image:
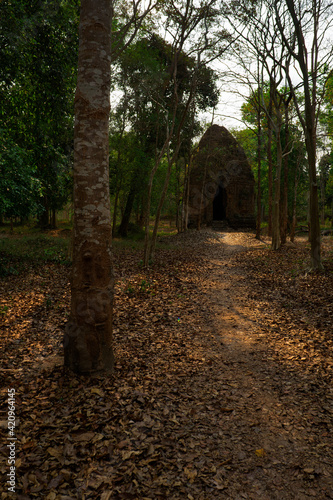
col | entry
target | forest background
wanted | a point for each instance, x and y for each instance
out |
(169, 62)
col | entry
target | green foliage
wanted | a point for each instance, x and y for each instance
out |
(326, 116)
(248, 138)
(326, 171)
(146, 78)
(19, 252)
(20, 189)
(38, 56)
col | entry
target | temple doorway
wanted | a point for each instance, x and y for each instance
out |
(220, 204)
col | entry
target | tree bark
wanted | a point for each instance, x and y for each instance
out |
(276, 237)
(53, 218)
(294, 219)
(258, 224)
(171, 161)
(88, 336)
(309, 66)
(322, 195)
(43, 220)
(114, 217)
(123, 228)
(270, 165)
(284, 203)
(314, 239)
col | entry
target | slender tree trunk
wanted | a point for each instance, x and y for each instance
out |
(270, 166)
(309, 67)
(276, 238)
(284, 208)
(53, 218)
(123, 228)
(169, 135)
(187, 192)
(314, 239)
(178, 201)
(258, 226)
(294, 219)
(114, 218)
(158, 214)
(202, 196)
(171, 161)
(322, 193)
(142, 213)
(88, 336)
(43, 220)
(146, 250)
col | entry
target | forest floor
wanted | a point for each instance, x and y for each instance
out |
(222, 386)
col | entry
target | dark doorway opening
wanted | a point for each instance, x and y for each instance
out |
(220, 204)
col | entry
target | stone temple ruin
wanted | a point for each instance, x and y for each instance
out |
(221, 186)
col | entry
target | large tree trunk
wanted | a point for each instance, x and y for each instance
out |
(88, 336)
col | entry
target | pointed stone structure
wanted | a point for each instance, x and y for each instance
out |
(221, 186)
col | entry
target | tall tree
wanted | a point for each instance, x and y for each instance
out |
(88, 336)
(38, 55)
(304, 28)
(194, 30)
(301, 33)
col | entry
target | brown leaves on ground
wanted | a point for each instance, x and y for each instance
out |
(222, 387)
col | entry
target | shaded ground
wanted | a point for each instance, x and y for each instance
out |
(223, 382)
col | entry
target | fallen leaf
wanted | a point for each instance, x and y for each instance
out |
(261, 453)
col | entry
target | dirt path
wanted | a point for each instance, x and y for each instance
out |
(222, 385)
(280, 433)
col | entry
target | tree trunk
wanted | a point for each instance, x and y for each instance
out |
(141, 221)
(323, 198)
(114, 218)
(270, 166)
(53, 218)
(146, 250)
(258, 225)
(88, 335)
(314, 239)
(123, 228)
(187, 193)
(284, 204)
(161, 202)
(276, 238)
(202, 196)
(294, 220)
(43, 220)
(308, 119)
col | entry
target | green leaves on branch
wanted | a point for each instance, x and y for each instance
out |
(20, 189)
